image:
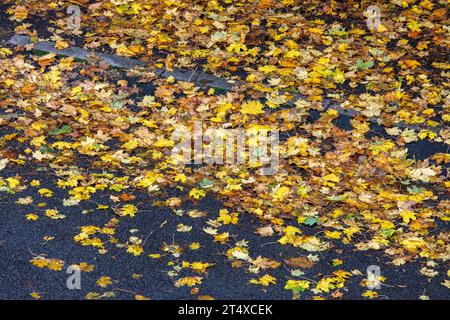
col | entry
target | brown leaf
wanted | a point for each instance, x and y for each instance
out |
(265, 231)
(439, 14)
(300, 262)
(265, 3)
(127, 197)
(169, 61)
(337, 294)
(265, 263)
(46, 59)
(28, 89)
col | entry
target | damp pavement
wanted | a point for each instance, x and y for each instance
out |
(21, 240)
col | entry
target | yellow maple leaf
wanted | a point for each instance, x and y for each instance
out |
(265, 280)
(236, 47)
(104, 281)
(199, 267)
(135, 249)
(12, 183)
(427, 133)
(252, 107)
(123, 50)
(20, 12)
(332, 234)
(280, 193)
(194, 246)
(413, 243)
(5, 52)
(131, 145)
(297, 285)
(32, 216)
(149, 179)
(339, 76)
(52, 264)
(332, 177)
(180, 177)
(407, 216)
(409, 64)
(325, 284)
(370, 294)
(267, 69)
(85, 267)
(161, 143)
(222, 237)
(197, 193)
(54, 214)
(128, 210)
(414, 26)
(45, 192)
(35, 295)
(188, 281)
(35, 183)
(60, 45)
(227, 218)
(38, 125)
(446, 283)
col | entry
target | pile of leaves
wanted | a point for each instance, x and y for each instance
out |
(98, 133)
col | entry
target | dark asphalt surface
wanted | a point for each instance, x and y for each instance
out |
(21, 240)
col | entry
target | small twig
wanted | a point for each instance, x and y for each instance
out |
(195, 70)
(145, 240)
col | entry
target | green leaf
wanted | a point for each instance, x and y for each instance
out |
(310, 221)
(386, 233)
(64, 129)
(362, 65)
(46, 149)
(340, 197)
(415, 189)
(206, 183)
